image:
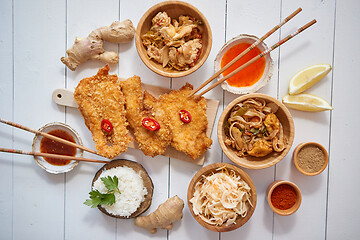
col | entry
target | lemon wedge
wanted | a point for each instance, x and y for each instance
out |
(307, 77)
(306, 102)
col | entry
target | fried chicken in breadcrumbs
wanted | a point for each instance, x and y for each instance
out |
(140, 106)
(100, 98)
(189, 138)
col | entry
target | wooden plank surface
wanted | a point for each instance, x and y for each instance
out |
(299, 53)
(342, 212)
(6, 110)
(35, 34)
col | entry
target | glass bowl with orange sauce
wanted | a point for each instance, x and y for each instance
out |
(46, 145)
(251, 78)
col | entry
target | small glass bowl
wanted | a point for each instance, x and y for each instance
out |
(42, 162)
(268, 71)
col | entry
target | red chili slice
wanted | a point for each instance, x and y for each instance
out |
(106, 125)
(185, 116)
(150, 124)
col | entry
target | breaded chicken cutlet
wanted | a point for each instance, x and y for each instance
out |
(101, 103)
(190, 137)
(141, 106)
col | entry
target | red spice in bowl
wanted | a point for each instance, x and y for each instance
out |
(284, 197)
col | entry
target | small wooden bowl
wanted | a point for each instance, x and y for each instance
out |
(291, 210)
(145, 177)
(296, 155)
(211, 169)
(251, 162)
(174, 9)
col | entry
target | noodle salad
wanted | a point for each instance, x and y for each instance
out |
(253, 129)
(221, 198)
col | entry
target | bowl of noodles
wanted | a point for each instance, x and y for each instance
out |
(256, 131)
(221, 197)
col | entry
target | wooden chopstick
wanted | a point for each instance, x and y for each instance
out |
(49, 155)
(247, 50)
(259, 56)
(48, 136)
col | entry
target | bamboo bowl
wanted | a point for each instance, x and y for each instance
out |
(174, 9)
(291, 210)
(209, 170)
(296, 155)
(248, 161)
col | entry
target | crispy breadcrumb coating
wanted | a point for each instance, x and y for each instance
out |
(189, 138)
(99, 97)
(139, 106)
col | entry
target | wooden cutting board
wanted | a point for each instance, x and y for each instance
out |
(65, 97)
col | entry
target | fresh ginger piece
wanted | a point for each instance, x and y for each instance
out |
(91, 47)
(164, 216)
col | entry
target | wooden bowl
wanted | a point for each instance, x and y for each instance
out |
(209, 170)
(145, 177)
(291, 210)
(248, 161)
(296, 156)
(174, 9)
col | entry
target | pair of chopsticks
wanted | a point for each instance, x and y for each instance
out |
(268, 50)
(49, 155)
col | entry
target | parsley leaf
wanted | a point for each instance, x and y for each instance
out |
(108, 198)
(111, 183)
(97, 198)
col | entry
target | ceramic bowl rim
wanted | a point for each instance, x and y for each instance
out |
(40, 161)
(268, 71)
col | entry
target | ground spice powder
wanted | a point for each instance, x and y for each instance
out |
(311, 159)
(283, 197)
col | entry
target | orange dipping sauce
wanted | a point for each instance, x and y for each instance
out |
(249, 75)
(50, 146)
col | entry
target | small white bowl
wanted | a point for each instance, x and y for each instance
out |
(42, 162)
(268, 71)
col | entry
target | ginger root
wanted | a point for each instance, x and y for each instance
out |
(164, 216)
(92, 47)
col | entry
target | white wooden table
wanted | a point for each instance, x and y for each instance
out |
(37, 205)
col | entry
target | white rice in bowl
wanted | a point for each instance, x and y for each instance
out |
(131, 187)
